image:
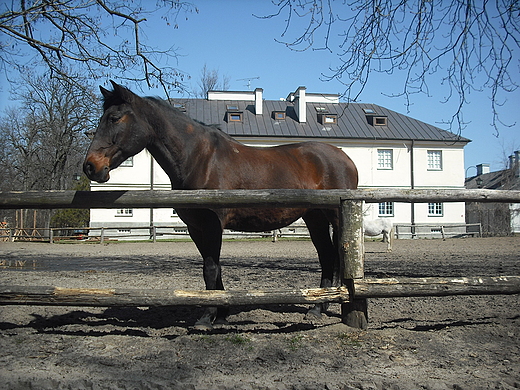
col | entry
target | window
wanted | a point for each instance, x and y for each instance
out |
(434, 160)
(386, 209)
(234, 116)
(369, 111)
(129, 162)
(328, 119)
(385, 159)
(124, 212)
(380, 121)
(279, 115)
(232, 107)
(435, 210)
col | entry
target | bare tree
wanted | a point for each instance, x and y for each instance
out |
(473, 45)
(210, 79)
(100, 35)
(43, 139)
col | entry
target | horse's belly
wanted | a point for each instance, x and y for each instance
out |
(259, 220)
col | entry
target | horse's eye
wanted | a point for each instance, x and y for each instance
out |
(114, 118)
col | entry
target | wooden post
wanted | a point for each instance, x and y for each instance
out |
(352, 255)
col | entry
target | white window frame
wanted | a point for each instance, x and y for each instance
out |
(385, 159)
(124, 212)
(385, 209)
(434, 160)
(435, 209)
(129, 162)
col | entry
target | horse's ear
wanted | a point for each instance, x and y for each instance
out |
(123, 93)
(105, 92)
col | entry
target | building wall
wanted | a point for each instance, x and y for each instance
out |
(364, 153)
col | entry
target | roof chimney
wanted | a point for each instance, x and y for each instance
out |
(258, 101)
(482, 169)
(300, 106)
(517, 163)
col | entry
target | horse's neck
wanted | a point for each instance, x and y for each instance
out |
(178, 148)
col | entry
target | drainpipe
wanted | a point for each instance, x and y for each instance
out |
(151, 188)
(412, 186)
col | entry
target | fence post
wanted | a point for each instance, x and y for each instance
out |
(102, 236)
(352, 255)
(51, 236)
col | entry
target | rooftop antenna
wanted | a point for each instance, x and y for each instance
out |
(248, 79)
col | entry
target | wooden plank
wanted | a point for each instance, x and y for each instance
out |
(364, 288)
(437, 286)
(239, 198)
(58, 296)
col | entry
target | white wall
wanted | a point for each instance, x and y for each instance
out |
(364, 155)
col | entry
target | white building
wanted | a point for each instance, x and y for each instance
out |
(390, 150)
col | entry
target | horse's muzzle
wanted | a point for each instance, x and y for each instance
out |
(94, 173)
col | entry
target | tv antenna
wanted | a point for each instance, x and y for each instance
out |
(248, 79)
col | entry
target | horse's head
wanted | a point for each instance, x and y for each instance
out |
(121, 133)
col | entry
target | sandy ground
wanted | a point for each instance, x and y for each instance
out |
(461, 343)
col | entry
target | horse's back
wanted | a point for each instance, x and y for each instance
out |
(305, 165)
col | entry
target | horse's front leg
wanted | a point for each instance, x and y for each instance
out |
(318, 225)
(208, 239)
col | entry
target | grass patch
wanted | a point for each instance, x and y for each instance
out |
(239, 340)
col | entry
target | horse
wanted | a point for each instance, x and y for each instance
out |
(197, 156)
(380, 226)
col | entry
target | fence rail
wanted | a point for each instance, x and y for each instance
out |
(351, 248)
(239, 198)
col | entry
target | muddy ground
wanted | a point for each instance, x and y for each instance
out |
(462, 343)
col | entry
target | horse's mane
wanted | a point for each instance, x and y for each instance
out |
(115, 99)
(167, 105)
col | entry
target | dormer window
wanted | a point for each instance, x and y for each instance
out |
(279, 115)
(234, 116)
(380, 120)
(375, 119)
(328, 119)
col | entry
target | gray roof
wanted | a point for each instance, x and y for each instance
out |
(352, 121)
(506, 179)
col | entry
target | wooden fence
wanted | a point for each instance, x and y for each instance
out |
(355, 288)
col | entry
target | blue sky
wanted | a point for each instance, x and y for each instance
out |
(226, 36)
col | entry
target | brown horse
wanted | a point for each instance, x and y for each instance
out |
(196, 156)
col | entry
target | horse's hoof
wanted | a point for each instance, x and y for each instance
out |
(221, 321)
(203, 326)
(313, 315)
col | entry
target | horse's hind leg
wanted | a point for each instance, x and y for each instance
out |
(208, 239)
(318, 225)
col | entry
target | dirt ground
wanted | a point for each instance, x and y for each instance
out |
(462, 343)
